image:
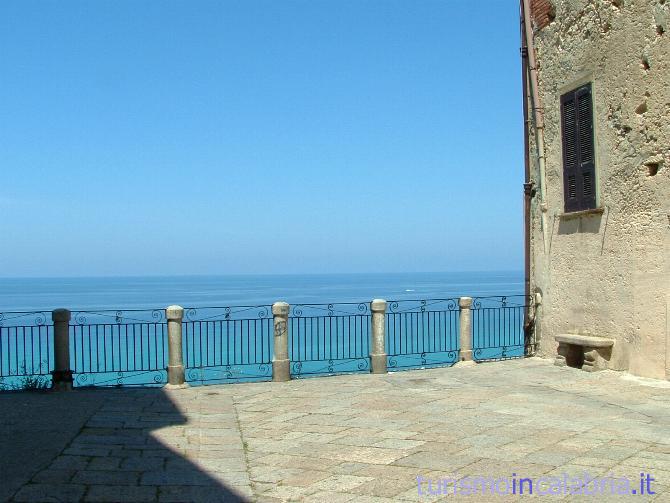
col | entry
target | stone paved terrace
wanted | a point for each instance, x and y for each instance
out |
(347, 438)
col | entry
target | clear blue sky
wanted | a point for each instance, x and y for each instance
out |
(195, 137)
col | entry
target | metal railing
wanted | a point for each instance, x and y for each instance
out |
(497, 327)
(232, 343)
(329, 338)
(26, 349)
(422, 333)
(113, 348)
(237, 343)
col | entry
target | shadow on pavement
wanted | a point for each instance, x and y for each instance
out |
(120, 445)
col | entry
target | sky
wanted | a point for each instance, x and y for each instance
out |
(151, 137)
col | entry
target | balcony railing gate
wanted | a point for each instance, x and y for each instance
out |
(26, 349)
(498, 327)
(422, 333)
(329, 338)
(118, 348)
(227, 344)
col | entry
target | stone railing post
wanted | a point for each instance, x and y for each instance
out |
(61, 377)
(465, 304)
(175, 370)
(378, 342)
(281, 366)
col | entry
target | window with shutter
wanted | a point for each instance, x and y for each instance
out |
(578, 150)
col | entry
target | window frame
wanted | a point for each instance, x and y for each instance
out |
(578, 159)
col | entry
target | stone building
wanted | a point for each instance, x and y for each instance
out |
(598, 181)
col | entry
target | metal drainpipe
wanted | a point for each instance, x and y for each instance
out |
(529, 319)
(539, 119)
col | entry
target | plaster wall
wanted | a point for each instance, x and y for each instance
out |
(608, 274)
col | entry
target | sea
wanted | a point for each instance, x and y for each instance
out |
(156, 292)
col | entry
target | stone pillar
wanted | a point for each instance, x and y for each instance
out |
(562, 354)
(593, 360)
(61, 377)
(465, 304)
(281, 366)
(175, 370)
(378, 343)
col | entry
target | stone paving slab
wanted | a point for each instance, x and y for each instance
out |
(35, 428)
(360, 438)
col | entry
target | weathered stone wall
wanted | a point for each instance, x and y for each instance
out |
(608, 274)
(542, 12)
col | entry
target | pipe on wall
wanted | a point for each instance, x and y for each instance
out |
(537, 114)
(529, 319)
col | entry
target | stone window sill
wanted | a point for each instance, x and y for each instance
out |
(582, 213)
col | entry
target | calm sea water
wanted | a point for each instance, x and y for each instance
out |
(24, 294)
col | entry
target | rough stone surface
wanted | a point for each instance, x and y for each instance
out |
(358, 437)
(608, 274)
(378, 356)
(281, 366)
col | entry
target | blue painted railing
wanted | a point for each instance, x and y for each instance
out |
(227, 344)
(422, 333)
(118, 348)
(26, 349)
(498, 327)
(329, 338)
(235, 343)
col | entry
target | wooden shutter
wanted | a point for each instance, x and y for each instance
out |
(579, 180)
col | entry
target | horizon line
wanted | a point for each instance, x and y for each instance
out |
(202, 275)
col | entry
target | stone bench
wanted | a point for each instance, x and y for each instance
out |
(583, 351)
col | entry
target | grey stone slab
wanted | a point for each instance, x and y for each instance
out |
(46, 493)
(143, 464)
(549, 457)
(87, 450)
(31, 438)
(382, 487)
(70, 462)
(195, 494)
(329, 496)
(434, 461)
(338, 483)
(53, 476)
(109, 477)
(397, 443)
(177, 477)
(121, 494)
(104, 463)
